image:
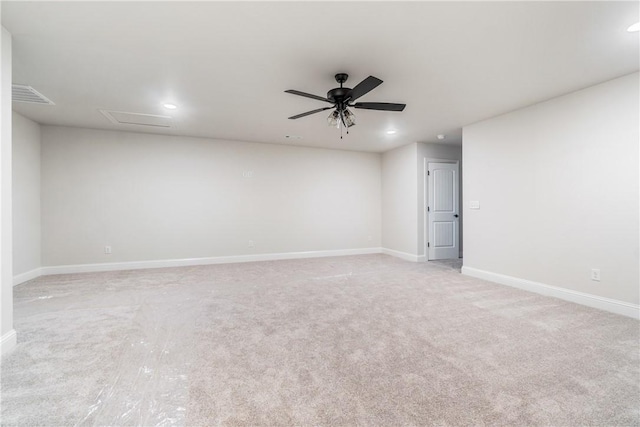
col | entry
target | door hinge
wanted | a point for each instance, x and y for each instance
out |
(428, 210)
(428, 244)
(428, 173)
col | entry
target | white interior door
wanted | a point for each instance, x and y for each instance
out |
(443, 211)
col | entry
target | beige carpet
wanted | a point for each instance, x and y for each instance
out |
(363, 340)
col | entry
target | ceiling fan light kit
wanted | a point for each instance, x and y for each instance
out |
(346, 118)
(343, 98)
(333, 120)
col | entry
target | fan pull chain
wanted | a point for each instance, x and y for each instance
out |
(343, 123)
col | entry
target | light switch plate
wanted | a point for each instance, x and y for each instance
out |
(474, 204)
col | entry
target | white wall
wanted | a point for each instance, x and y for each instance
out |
(154, 197)
(26, 195)
(399, 200)
(558, 189)
(440, 152)
(7, 334)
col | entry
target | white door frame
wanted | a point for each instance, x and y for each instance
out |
(425, 169)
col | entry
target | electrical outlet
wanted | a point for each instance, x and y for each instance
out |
(595, 274)
(247, 174)
(107, 250)
(251, 244)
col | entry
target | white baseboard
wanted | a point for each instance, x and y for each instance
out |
(595, 301)
(403, 255)
(25, 277)
(137, 265)
(8, 341)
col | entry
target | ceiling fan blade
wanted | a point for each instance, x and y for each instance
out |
(308, 95)
(309, 113)
(364, 87)
(383, 106)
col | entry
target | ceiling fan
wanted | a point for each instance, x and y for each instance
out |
(343, 98)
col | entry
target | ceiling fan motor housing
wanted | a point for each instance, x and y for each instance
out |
(339, 95)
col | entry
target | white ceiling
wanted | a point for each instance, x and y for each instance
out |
(227, 64)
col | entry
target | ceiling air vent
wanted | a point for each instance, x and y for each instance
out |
(23, 93)
(124, 118)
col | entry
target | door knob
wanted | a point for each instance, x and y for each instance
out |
(456, 215)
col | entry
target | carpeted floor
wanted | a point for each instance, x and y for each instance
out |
(361, 340)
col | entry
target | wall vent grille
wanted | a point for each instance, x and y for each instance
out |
(24, 93)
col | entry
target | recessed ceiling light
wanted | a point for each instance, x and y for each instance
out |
(391, 132)
(634, 28)
(441, 137)
(170, 106)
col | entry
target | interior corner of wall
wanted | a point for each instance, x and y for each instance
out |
(8, 341)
